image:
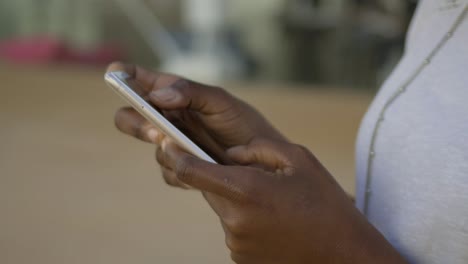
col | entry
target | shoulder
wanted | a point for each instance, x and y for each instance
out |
(432, 18)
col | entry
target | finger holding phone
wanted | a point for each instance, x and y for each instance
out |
(209, 116)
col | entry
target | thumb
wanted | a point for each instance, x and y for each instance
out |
(185, 94)
(262, 152)
(231, 182)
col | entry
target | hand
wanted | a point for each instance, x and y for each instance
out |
(291, 211)
(210, 116)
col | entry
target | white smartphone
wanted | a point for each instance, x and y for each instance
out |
(120, 83)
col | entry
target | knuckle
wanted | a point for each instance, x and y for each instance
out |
(234, 245)
(249, 190)
(240, 258)
(242, 193)
(139, 130)
(254, 143)
(238, 226)
(170, 179)
(251, 187)
(115, 66)
(299, 149)
(160, 156)
(167, 179)
(218, 90)
(184, 169)
(230, 102)
(119, 118)
(182, 85)
(129, 122)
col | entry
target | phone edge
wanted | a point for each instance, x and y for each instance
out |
(113, 79)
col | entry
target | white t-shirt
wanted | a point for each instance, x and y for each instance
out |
(419, 198)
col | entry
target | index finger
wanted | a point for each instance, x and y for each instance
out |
(147, 79)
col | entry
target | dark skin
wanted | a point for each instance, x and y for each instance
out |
(311, 221)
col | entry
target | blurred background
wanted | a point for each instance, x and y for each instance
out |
(73, 190)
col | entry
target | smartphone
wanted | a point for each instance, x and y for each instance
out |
(127, 88)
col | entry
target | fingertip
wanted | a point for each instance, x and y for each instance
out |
(116, 66)
(173, 151)
(130, 122)
(167, 145)
(121, 118)
(155, 136)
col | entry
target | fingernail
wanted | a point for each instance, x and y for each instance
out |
(165, 94)
(153, 135)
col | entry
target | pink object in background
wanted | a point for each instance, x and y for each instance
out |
(47, 50)
(32, 50)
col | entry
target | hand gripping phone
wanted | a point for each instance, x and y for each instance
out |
(124, 86)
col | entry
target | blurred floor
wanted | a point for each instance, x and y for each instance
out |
(74, 190)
